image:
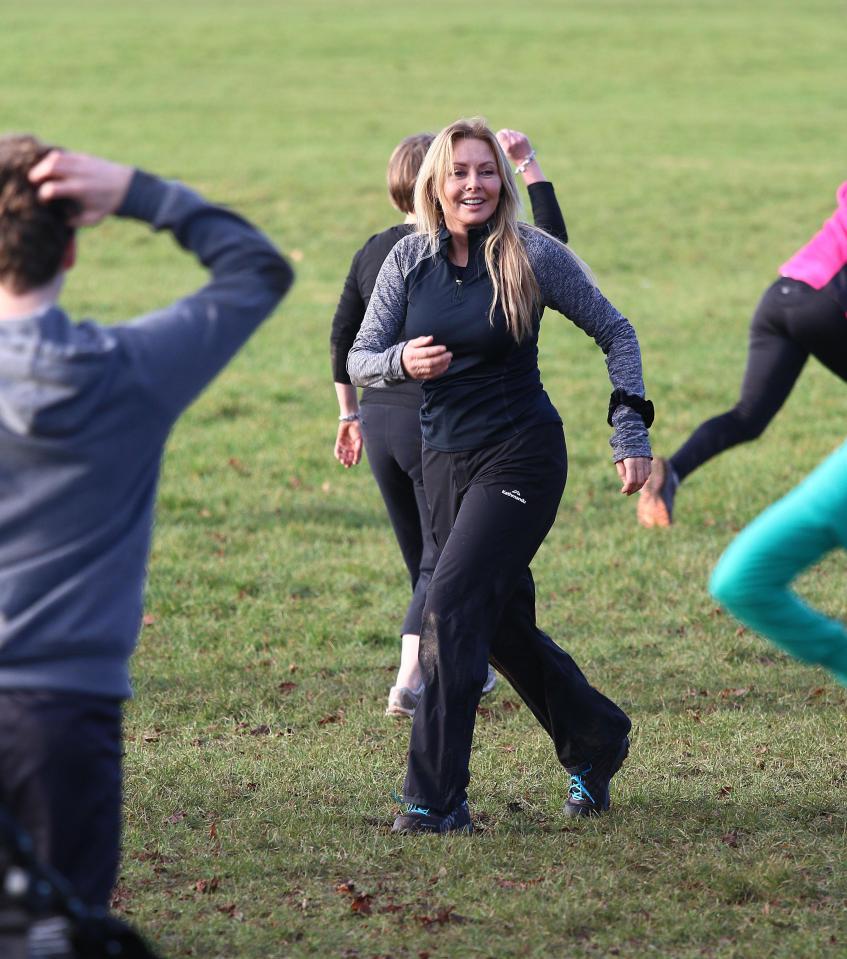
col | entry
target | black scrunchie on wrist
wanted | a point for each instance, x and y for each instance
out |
(643, 407)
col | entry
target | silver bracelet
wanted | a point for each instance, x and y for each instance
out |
(521, 167)
(350, 417)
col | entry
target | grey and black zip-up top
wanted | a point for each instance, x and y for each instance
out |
(492, 389)
(364, 269)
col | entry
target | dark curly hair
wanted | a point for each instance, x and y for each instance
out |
(33, 235)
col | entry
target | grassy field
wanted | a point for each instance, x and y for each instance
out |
(694, 146)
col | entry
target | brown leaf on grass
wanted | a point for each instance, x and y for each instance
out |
(730, 839)
(817, 691)
(518, 883)
(213, 831)
(361, 904)
(148, 619)
(295, 482)
(346, 888)
(441, 918)
(251, 787)
(725, 791)
(326, 486)
(263, 730)
(207, 886)
(230, 909)
(286, 687)
(336, 717)
(176, 816)
(392, 907)
(238, 466)
(735, 693)
(740, 631)
(509, 707)
(292, 667)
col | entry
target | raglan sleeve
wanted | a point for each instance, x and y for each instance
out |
(375, 359)
(567, 286)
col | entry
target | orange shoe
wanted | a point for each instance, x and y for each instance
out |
(655, 501)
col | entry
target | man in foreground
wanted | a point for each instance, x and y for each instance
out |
(85, 411)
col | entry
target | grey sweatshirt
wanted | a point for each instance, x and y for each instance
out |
(84, 414)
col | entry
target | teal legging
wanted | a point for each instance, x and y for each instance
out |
(753, 576)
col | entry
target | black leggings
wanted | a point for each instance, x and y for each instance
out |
(792, 322)
(491, 509)
(392, 437)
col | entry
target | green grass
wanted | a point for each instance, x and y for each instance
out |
(694, 146)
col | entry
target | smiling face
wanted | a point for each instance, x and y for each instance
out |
(471, 191)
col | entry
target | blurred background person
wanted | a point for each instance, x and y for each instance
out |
(800, 315)
(85, 411)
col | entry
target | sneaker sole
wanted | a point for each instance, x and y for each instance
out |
(651, 509)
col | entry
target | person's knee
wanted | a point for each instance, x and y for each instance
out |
(749, 424)
(731, 586)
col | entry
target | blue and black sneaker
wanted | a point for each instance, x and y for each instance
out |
(588, 790)
(418, 819)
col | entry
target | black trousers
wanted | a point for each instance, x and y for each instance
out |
(60, 778)
(491, 509)
(392, 436)
(792, 322)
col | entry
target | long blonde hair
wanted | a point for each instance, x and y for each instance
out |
(506, 259)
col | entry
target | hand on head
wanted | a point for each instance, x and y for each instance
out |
(424, 361)
(98, 186)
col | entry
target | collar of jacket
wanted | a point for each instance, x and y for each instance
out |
(477, 235)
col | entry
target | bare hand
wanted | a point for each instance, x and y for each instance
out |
(423, 361)
(98, 186)
(515, 144)
(634, 472)
(348, 444)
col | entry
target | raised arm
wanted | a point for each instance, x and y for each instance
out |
(546, 212)
(177, 350)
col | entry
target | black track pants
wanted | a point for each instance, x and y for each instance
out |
(392, 437)
(491, 510)
(60, 778)
(791, 323)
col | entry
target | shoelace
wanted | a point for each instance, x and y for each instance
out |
(410, 807)
(577, 790)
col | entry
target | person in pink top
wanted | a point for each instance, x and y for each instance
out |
(802, 314)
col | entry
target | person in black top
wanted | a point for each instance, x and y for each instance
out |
(388, 419)
(458, 306)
